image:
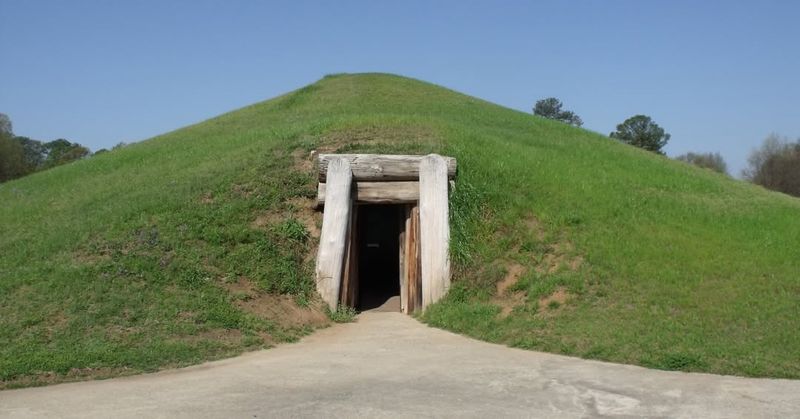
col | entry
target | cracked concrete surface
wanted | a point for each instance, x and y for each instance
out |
(389, 365)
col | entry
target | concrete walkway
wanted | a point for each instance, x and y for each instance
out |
(389, 365)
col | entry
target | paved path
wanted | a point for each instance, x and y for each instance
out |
(389, 365)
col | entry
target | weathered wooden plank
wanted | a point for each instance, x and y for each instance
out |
(381, 167)
(412, 262)
(403, 221)
(434, 228)
(378, 192)
(349, 291)
(335, 223)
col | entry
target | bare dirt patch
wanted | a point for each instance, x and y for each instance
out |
(505, 300)
(559, 296)
(560, 255)
(575, 263)
(265, 219)
(303, 161)
(513, 274)
(546, 255)
(507, 303)
(281, 309)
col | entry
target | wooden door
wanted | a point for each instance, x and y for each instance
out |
(410, 274)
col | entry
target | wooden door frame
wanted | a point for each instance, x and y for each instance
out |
(418, 182)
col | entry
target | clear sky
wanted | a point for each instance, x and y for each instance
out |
(719, 76)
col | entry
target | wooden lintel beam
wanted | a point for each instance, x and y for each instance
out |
(381, 167)
(378, 192)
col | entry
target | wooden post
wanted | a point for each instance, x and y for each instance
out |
(434, 228)
(412, 262)
(403, 220)
(335, 223)
(349, 291)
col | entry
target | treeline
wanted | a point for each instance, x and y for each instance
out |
(20, 156)
(775, 165)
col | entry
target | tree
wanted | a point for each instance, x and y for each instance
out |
(34, 153)
(61, 151)
(550, 108)
(5, 125)
(642, 132)
(713, 161)
(11, 152)
(11, 158)
(20, 156)
(775, 165)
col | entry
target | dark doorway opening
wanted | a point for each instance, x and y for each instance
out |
(378, 247)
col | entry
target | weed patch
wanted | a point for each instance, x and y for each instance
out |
(343, 314)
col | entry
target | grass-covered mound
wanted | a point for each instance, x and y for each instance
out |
(199, 243)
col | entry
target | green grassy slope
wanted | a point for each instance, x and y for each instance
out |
(166, 252)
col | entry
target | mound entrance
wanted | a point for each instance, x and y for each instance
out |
(385, 230)
(376, 283)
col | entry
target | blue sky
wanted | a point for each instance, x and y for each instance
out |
(718, 76)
